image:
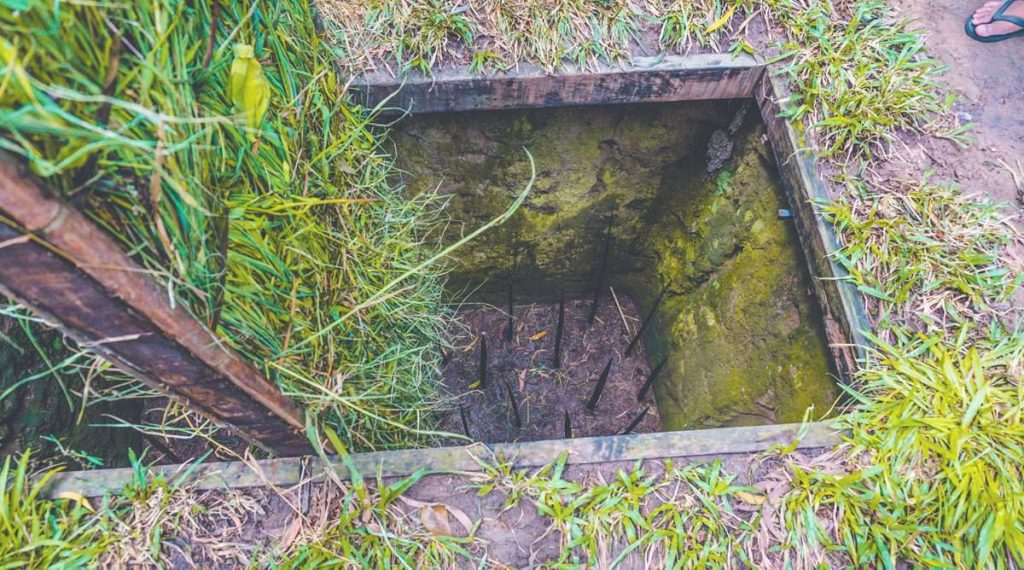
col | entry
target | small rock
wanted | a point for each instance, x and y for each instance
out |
(719, 151)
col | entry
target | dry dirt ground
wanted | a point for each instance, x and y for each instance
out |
(507, 536)
(989, 80)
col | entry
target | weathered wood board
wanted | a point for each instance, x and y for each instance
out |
(285, 472)
(647, 80)
(63, 267)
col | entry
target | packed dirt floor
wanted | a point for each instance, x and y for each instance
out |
(525, 397)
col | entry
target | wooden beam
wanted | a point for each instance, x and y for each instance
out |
(646, 80)
(843, 310)
(704, 444)
(66, 269)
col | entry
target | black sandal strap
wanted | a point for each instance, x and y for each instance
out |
(1000, 15)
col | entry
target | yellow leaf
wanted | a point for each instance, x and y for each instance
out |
(247, 87)
(750, 498)
(539, 335)
(721, 21)
(474, 385)
(77, 497)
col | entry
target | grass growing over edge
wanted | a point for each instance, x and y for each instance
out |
(269, 229)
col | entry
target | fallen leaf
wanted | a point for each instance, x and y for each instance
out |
(459, 514)
(76, 497)
(721, 21)
(750, 498)
(539, 335)
(435, 519)
(474, 385)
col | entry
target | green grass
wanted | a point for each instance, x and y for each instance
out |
(859, 75)
(400, 35)
(925, 253)
(41, 533)
(270, 233)
(683, 516)
(247, 222)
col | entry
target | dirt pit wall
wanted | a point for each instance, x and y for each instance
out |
(738, 325)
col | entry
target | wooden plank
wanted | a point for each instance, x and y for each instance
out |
(285, 472)
(58, 263)
(646, 80)
(843, 309)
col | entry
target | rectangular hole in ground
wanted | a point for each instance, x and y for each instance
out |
(738, 328)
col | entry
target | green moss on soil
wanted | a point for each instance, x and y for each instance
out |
(739, 325)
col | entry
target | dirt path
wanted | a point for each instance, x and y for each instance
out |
(989, 79)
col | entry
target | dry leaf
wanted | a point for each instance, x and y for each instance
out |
(435, 519)
(750, 498)
(539, 335)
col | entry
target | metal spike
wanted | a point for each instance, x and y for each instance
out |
(465, 423)
(636, 421)
(647, 321)
(602, 275)
(515, 405)
(509, 332)
(592, 403)
(483, 361)
(559, 328)
(650, 380)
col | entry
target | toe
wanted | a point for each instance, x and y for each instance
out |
(996, 29)
(982, 15)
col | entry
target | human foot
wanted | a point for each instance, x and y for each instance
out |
(985, 27)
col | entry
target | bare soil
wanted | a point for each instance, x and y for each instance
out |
(544, 394)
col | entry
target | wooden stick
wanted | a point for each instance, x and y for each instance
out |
(650, 380)
(559, 328)
(636, 421)
(647, 320)
(602, 274)
(592, 403)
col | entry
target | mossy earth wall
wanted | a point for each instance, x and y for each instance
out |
(738, 325)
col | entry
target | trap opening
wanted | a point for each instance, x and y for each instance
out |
(672, 216)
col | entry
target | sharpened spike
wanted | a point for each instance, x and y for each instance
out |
(592, 403)
(465, 422)
(647, 321)
(515, 405)
(445, 357)
(636, 421)
(483, 361)
(559, 328)
(566, 425)
(510, 331)
(650, 380)
(602, 275)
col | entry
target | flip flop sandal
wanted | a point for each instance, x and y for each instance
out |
(999, 16)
